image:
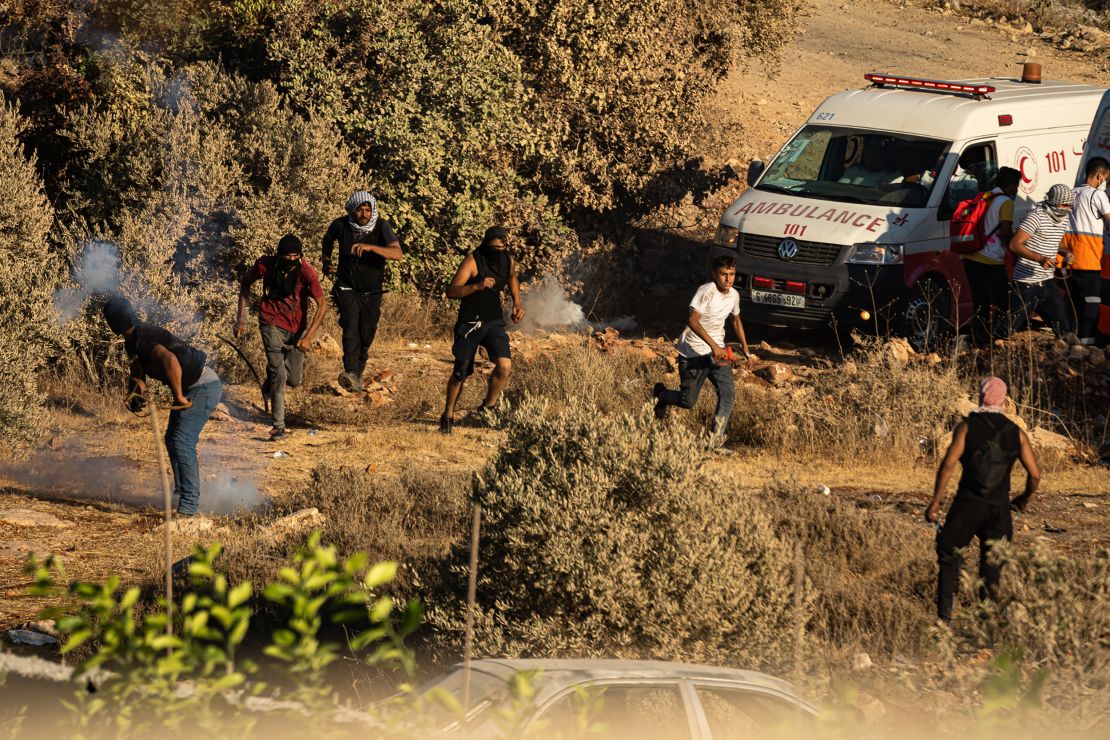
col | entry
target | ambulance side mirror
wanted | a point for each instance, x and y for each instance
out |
(755, 169)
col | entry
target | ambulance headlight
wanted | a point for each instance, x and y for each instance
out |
(726, 236)
(870, 253)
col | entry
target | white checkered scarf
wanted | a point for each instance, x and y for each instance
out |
(357, 199)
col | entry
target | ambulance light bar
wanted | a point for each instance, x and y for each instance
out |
(880, 80)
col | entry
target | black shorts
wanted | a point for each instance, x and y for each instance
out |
(469, 336)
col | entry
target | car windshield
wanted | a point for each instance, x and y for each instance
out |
(486, 692)
(857, 166)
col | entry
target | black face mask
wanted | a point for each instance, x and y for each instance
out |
(283, 278)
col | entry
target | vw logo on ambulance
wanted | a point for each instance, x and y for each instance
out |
(788, 249)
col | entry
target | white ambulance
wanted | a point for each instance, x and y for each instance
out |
(848, 225)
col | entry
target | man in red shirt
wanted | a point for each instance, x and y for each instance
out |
(288, 281)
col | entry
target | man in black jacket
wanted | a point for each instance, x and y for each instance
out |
(365, 243)
(987, 444)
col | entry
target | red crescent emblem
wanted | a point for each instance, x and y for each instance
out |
(1021, 166)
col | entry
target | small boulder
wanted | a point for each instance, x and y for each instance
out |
(898, 350)
(30, 518)
(861, 662)
(326, 345)
(298, 523)
(775, 373)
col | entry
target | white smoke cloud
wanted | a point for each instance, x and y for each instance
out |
(97, 270)
(547, 308)
(71, 473)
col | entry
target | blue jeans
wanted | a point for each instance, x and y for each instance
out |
(693, 372)
(182, 434)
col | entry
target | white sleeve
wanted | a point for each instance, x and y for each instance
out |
(735, 302)
(700, 301)
(1102, 203)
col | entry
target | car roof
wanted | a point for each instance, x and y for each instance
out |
(570, 671)
(954, 117)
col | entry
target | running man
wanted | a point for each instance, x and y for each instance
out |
(478, 284)
(701, 350)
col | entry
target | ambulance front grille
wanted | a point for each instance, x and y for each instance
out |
(809, 253)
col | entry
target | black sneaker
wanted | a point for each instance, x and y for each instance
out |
(660, 406)
(347, 381)
(445, 424)
(277, 433)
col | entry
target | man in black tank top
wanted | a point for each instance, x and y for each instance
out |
(987, 444)
(478, 284)
(196, 389)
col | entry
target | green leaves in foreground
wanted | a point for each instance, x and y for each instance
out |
(194, 678)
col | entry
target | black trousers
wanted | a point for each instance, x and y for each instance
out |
(989, 286)
(359, 314)
(1042, 298)
(969, 518)
(1085, 289)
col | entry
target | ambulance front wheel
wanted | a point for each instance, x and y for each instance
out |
(924, 317)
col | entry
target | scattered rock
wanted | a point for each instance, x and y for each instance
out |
(326, 345)
(32, 518)
(861, 662)
(1043, 439)
(338, 389)
(378, 398)
(898, 350)
(187, 525)
(384, 376)
(1027, 28)
(54, 443)
(31, 637)
(296, 524)
(775, 373)
(932, 358)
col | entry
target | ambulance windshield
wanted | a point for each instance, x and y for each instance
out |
(857, 166)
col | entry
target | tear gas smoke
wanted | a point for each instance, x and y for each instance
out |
(97, 270)
(72, 472)
(547, 307)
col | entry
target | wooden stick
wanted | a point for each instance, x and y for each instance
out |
(799, 621)
(167, 517)
(471, 598)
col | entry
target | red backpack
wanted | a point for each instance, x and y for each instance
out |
(966, 229)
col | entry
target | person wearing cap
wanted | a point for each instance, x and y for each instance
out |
(156, 353)
(288, 282)
(365, 242)
(986, 444)
(1036, 244)
(477, 285)
(986, 269)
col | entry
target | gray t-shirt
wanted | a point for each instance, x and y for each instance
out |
(1044, 238)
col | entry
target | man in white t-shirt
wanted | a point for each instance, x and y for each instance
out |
(1083, 242)
(701, 349)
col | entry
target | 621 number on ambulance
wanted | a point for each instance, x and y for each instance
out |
(848, 225)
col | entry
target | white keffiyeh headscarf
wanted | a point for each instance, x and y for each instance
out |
(357, 199)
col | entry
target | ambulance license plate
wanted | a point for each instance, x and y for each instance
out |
(779, 299)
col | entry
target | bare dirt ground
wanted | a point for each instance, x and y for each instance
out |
(98, 476)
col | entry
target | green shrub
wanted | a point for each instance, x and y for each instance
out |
(606, 536)
(28, 269)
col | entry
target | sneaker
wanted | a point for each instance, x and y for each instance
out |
(660, 406)
(347, 381)
(277, 433)
(445, 424)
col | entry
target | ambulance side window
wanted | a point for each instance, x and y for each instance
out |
(975, 173)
